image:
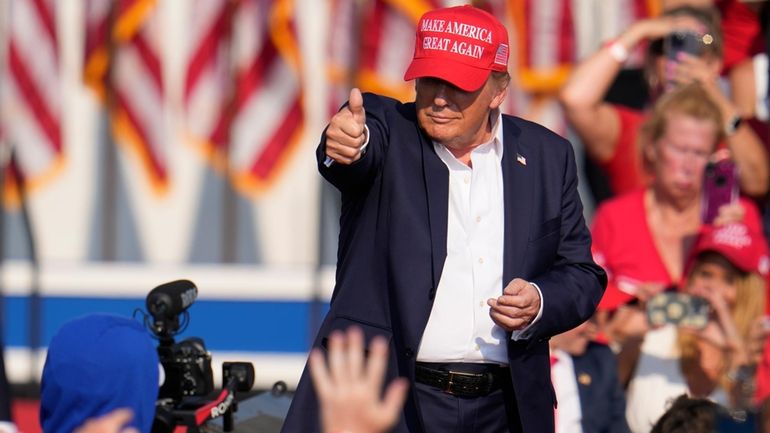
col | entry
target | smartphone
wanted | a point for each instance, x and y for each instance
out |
(720, 187)
(678, 308)
(682, 42)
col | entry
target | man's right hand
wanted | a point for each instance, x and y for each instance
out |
(346, 135)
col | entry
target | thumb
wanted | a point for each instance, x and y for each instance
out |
(515, 286)
(356, 105)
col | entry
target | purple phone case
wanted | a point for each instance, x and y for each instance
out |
(720, 187)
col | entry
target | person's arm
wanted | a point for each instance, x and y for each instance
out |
(582, 96)
(115, 421)
(743, 87)
(627, 329)
(749, 153)
(349, 385)
(746, 148)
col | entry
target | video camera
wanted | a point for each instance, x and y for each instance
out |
(183, 404)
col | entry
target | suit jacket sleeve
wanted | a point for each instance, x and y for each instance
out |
(574, 283)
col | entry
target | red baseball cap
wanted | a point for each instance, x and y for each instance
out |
(461, 45)
(740, 245)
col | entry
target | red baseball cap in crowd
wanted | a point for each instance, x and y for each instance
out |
(461, 45)
(740, 245)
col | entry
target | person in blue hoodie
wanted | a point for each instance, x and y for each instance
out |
(97, 364)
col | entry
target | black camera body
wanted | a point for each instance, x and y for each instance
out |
(187, 365)
(184, 400)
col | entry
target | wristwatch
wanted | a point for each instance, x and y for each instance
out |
(733, 124)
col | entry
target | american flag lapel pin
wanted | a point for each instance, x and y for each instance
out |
(520, 159)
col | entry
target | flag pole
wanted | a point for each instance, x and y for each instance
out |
(229, 221)
(109, 164)
(35, 300)
(5, 394)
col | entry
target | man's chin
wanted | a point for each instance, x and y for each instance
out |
(439, 134)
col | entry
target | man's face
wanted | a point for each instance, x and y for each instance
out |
(456, 118)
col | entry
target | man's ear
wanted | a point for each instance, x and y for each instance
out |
(500, 93)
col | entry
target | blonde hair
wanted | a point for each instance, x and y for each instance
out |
(690, 100)
(749, 306)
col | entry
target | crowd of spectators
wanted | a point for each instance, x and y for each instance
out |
(685, 312)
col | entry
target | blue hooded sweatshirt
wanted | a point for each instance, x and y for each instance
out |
(95, 364)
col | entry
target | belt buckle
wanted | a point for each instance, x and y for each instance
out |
(449, 383)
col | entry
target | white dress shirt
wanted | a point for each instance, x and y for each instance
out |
(459, 328)
(569, 414)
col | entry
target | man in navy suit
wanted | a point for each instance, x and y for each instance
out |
(462, 240)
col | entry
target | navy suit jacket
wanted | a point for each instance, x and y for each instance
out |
(392, 248)
(602, 401)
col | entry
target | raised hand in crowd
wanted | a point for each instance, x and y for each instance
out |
(583, 94)
(349, 385)
(112, 422)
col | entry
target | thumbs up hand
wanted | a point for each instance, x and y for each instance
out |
(346, 135)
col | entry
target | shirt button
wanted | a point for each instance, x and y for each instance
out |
(467, 179)
(478, 219)
(477, 348)
(481, 260)
(481, 303)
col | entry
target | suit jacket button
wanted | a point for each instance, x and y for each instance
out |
(408, 353)
(432, 294)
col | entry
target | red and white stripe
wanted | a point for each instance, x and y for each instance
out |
(343, 48)
(544, 42)
(388, 45)
(259, 123)
(31, 91)
(136, 95)
(208, 82)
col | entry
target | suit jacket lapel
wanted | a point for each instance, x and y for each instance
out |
(518, 196)
(436, 177)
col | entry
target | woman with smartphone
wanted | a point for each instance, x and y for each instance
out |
(642, 238)
(714, 356)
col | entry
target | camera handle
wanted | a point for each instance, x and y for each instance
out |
(238, 376)
(189, 421)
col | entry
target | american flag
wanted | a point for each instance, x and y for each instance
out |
(122, 65)
(544, 43)
(343, 50)
(243, 91)
(31, 91)
(388, 45)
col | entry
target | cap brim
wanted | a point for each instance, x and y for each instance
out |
(743, 263)
(465, 77)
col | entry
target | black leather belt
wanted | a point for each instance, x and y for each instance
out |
(475, 381)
